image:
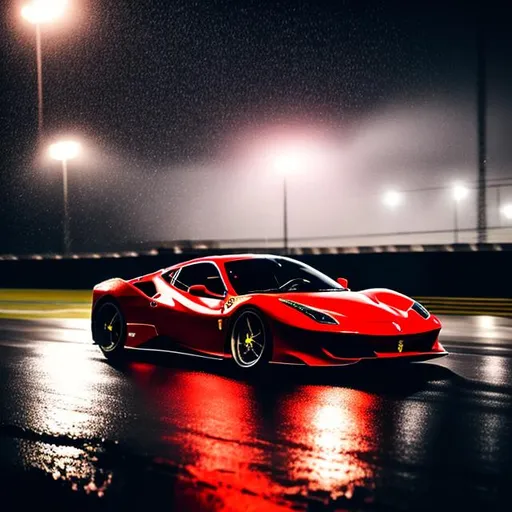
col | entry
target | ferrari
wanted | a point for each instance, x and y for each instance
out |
(256, 309)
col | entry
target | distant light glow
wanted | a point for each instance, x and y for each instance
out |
(287, 162)
(486, 322)
(460, 192)
(392, 198)
(297, 155)
(43, 11)
(507, 211)
(64, 150)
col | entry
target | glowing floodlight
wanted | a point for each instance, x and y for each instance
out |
(460, 192)
(392, 198)
(507, 211)
(43, 11)
(65, 150)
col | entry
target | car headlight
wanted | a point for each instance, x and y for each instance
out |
(421, 310)
(315, 314)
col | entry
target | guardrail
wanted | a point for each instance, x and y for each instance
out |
(203, 248)
(467, 306)
(494, 235)
(427, 271)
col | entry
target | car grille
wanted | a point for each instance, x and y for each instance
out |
(361, 345)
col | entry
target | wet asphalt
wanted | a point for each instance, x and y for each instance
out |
(184, 433)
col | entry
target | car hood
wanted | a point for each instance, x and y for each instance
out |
(374, 311)
(358, 304)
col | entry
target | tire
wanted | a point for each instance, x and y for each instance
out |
(249, 340)
(109, 329)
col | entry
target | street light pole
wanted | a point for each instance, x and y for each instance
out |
(498, 205)
(285, 214)
(39, 84)
(67, 236)
(481, 131)
(456, 221)
(460, 192)
(41, 12)
(65, 150)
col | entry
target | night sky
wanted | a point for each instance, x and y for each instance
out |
(165, 95)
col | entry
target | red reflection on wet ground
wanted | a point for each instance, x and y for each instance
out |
(257, 446)
(213, 420)
(334, 428)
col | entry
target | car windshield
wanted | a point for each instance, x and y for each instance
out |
(277, 275)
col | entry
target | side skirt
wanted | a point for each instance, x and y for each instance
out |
(170, 351)
(202, 356)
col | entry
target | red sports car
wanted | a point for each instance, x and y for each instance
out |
(255, 309)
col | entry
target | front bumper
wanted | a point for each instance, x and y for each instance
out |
(313, 348)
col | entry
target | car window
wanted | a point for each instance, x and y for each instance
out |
(200, 273)
(260, 275)
(167, 276)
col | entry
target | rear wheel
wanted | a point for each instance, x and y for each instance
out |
(250, 340)
(109, 329)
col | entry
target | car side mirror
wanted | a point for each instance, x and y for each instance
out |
(343, 282)
(200, 290)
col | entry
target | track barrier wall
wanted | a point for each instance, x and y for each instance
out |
(466, 282)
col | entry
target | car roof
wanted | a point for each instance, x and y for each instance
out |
(223, 258)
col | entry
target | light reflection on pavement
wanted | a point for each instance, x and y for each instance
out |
(305, 438)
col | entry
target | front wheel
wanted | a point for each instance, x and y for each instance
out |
(250, 340)
(109, 329)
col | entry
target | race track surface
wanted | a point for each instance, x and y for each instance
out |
(183, 433)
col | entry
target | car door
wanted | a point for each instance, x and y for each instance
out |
(199, 328)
